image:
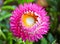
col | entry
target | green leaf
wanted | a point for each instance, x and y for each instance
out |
(7, 1)
(19, 41)
(8, 7)
(29, 42)
(24, 1)
(1, 42)
(10, 38)
(44, 41)
(54, 42)
(4, 15)
(2, 34)
(29, 1)
(50, 38)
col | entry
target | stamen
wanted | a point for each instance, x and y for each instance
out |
(30, 21)
(29, 18)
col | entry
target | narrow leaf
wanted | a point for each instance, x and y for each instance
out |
(43, 41)
(50, 38)
(5, 16)
(8, 7)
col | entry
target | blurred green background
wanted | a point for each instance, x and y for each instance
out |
(53, 9)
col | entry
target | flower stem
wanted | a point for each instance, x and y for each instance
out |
(2, 34)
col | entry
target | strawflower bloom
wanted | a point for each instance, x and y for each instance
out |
(29, 22)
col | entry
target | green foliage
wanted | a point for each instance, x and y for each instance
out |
(54, 42)
(28, 42)
(4, 15)
(50, 37)
(24, 1)
(1, 42)
(44, 41)
(8, 1)
(6, 37)
(9, 7)
(2, 34)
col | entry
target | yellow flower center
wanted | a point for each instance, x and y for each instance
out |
(29, 19)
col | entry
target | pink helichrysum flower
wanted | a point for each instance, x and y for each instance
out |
(29, 22)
